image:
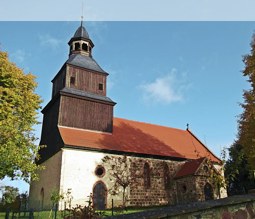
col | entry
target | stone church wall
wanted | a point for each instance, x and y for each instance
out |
(74, 171)
(157, 193)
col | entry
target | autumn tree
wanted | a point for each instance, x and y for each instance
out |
(246, 131)
(18, 114)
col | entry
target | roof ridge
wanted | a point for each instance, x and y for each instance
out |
(148, 123)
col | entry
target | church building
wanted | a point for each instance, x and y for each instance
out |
(83, 143)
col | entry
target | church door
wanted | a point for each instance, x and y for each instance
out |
(208, 190)
(99, 196)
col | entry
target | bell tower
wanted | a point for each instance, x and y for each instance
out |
(78, 96)
(80, 43)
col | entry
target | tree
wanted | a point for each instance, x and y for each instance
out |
(119, 174)
(18, 115)
(246, 136)
(9, 194)
(237, 171)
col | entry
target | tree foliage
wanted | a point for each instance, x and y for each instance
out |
(246, 132)
(18, 114)
(9, 194)
(237, 171)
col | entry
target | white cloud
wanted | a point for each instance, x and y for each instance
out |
(19, 56)
(47, 40)
(166, 89)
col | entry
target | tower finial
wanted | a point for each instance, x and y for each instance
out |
(81, 21)
(187, 126)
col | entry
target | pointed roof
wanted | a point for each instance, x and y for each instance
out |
(81, 32)
(139, 138)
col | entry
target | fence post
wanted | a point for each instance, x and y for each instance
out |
(56, 209)
(112, 206)
(7, 213)
(31, 214)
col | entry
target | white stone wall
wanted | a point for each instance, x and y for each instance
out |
(49, 180)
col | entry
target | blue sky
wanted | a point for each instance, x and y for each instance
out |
(132, 10)
(167, 73)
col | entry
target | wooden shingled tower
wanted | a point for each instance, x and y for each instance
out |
(78, 96)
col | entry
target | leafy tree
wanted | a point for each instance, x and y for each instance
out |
(18, 115)
(9, 194)
(237, 171)
(246, 136)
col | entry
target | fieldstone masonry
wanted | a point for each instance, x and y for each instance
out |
(236, 207)
(182, 190)
(157, 193)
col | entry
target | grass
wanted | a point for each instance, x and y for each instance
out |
(105, 213)
(37, 215)
(128, 210)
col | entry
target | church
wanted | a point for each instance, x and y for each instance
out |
(82, 143)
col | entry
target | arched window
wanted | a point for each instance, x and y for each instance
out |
(166, 176)
(146, 176)
(84, 47)
(99, 196)
(208, 190)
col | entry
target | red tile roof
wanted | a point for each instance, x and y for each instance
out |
(141, 138)
(189, 168)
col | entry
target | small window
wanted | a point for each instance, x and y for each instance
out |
(100, 171)
(206, 169)
(101, 86)
(72, 80)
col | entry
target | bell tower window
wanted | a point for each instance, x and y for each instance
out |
(77, 46)
(84, 47)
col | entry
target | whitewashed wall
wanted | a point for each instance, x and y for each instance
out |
(49, 180)
(78, 175)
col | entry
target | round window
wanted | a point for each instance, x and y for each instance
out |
(100, 171)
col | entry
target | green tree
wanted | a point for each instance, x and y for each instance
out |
(18, 115)
(246, 136)
(9, 194)
(237, 172)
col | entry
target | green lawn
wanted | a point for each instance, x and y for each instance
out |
(50, 215)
